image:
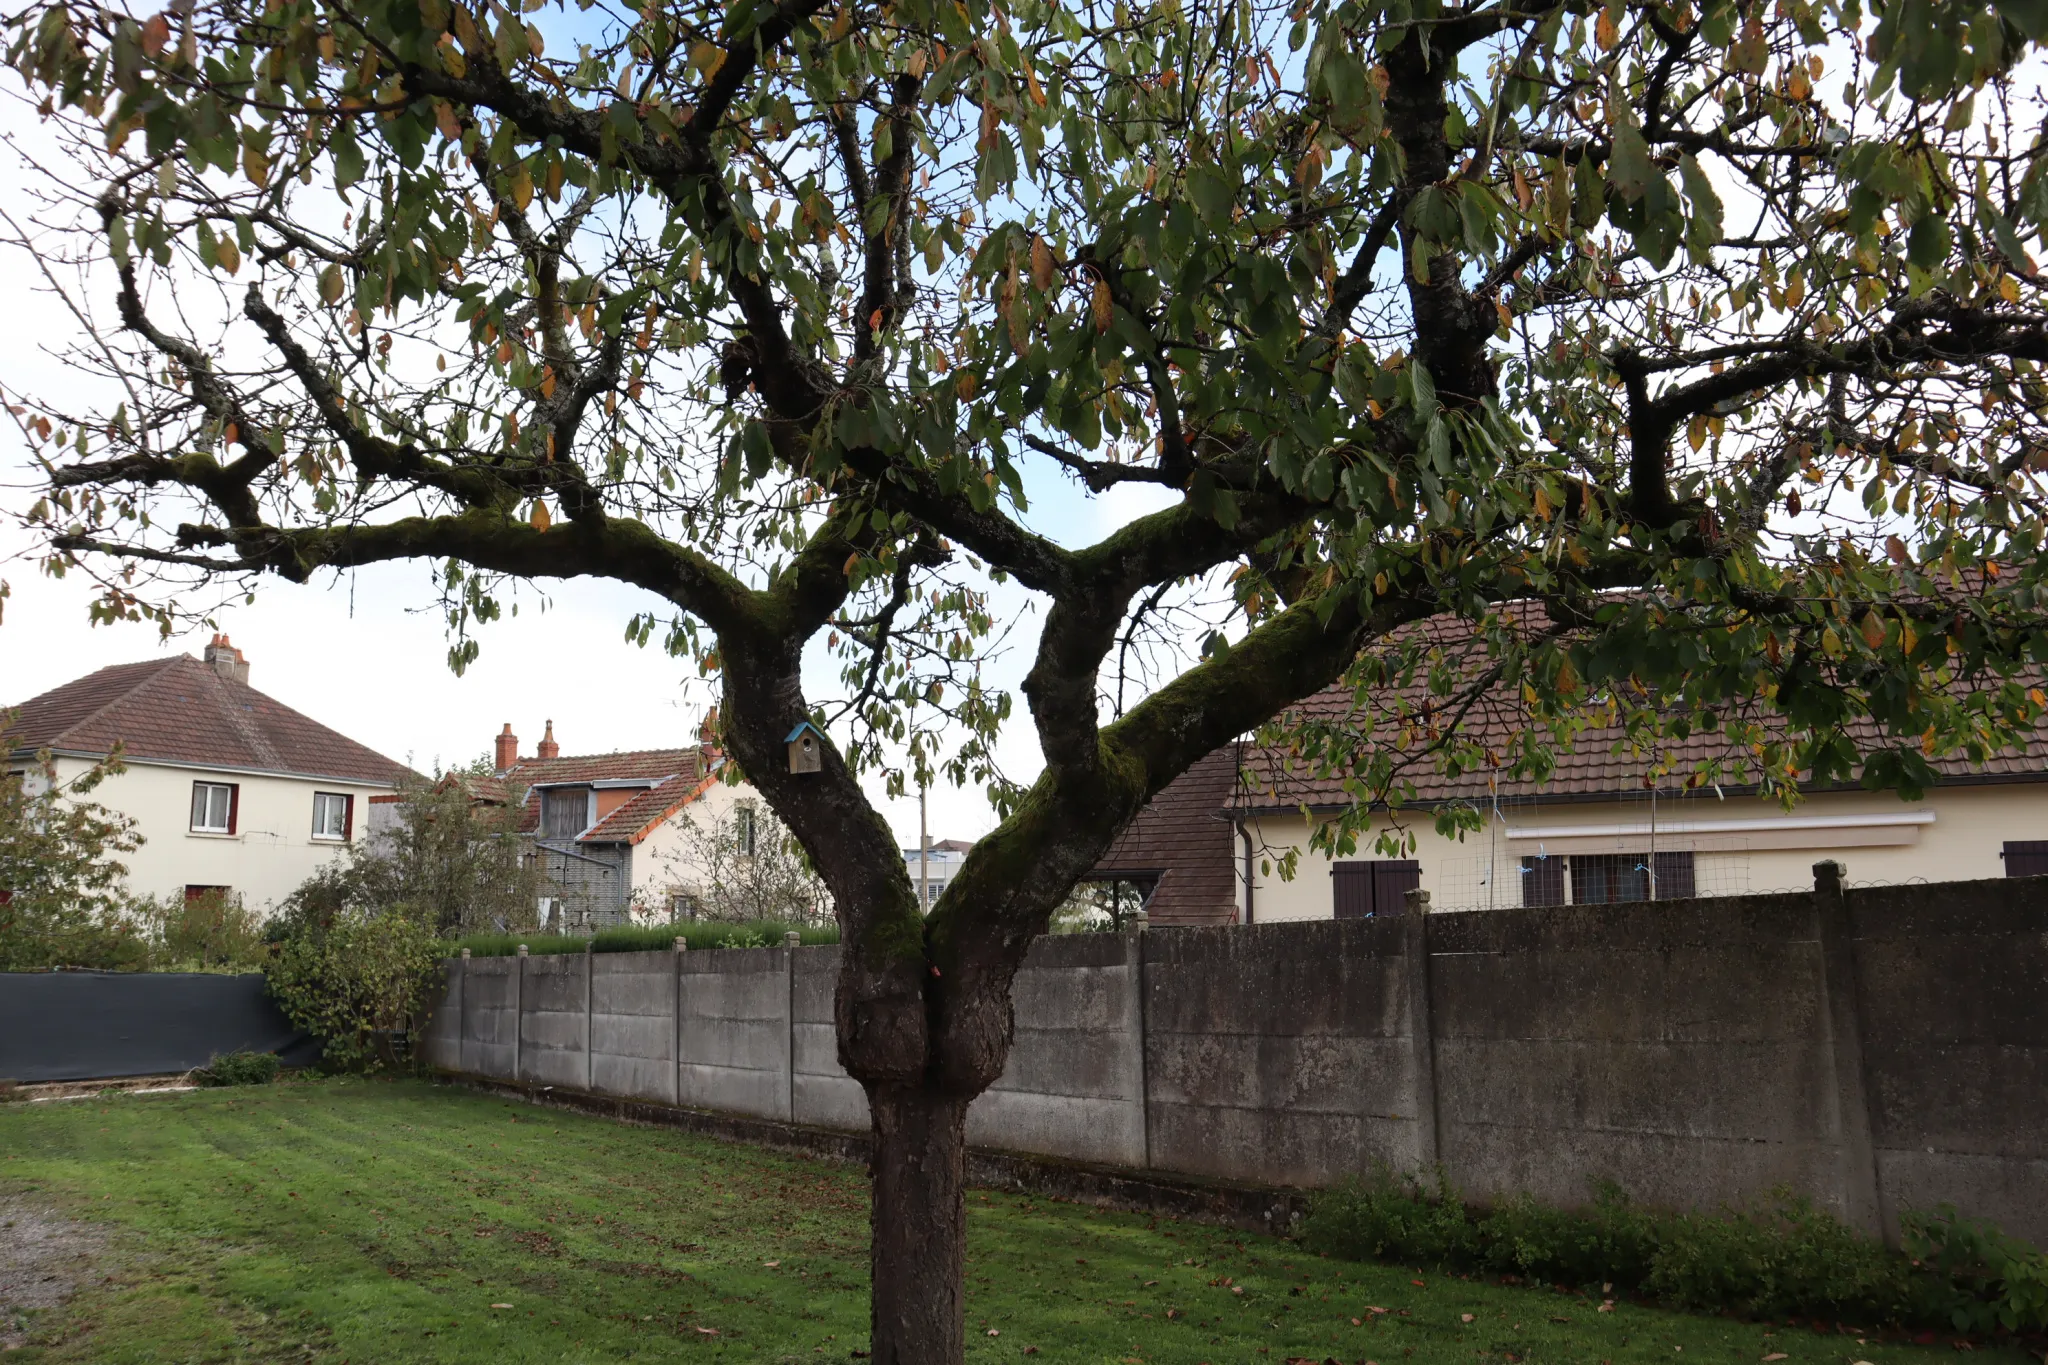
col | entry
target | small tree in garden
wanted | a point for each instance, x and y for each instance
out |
(63, 889)
(1708, 331)
(460, 861)
(743, 865)
(362, 983)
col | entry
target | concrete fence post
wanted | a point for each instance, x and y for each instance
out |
(589, 1013)
(1135, 1080)
(1842, 1018)
(462, 1048)
(518, 1013)
(1421, 1027)
(790, 941)
(683, 946)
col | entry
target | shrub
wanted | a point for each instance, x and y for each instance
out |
(1984, 1280)
(1774, 1257)
(212, 932)
(361, 984)
(239, 1068)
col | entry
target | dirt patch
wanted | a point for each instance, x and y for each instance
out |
(43, 1259)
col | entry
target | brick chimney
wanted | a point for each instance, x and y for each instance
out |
(508, 748)
(548, 748)
(227, 661)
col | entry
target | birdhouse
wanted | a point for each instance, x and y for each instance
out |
(806, 748)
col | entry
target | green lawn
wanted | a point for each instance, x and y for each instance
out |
(384, 1222)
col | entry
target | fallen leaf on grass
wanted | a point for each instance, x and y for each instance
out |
(1775, 1355)
(771, 1264)
(501, 1305)
(994, 1332)
(1464, 1317)
(713, 1331)
(1606, 1306)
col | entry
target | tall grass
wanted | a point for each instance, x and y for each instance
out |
(640, 938)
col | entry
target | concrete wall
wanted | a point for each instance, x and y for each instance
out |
(1877, 1048)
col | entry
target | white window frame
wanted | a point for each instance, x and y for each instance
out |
(203, 810)
(341, 832)
(745, 829)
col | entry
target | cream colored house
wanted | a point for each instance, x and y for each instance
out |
(230, 789)
(616, 832)
(1608, 827)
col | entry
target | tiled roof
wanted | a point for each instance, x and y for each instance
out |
(180, 710)
(1181, 838)
(635, 820)
(1600, 761)
(677, 777)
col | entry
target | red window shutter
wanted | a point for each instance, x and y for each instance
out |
(2026, 857)
(1392, 880)
(348, 818)
(234, 807)
(1351, 889)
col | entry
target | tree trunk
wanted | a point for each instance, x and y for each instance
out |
(919, 1256)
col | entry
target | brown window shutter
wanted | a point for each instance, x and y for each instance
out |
(1543, 881)
(2026, 857)
(234, 807)
(1351, 888)
(348, 817)
(1392, 880)
(1674, 876)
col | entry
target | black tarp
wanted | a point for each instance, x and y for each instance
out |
(80, 1026)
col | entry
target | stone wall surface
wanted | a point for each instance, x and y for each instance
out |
(1877, 1050)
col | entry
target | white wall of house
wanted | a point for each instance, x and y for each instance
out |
(271, 852)
(662, 862)
(1740, 844)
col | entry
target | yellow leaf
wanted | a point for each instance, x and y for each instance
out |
(534, 44)
(1542, 504)
(522, 189)
(917, 63)
(227, 255)
(540, 518)
(256, 166)
(1605, 33)
(1873, 630)
(547, 382)
(444, 114)
(1043, 270)
(1696, 432)
(1104, 309)
(1031, 82)
(1896, 548)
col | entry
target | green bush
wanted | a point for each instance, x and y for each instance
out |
(361, 983)
(1983, 1279)
(239, 1068)
(212, 932)
(639, 938)
(1775, 1257)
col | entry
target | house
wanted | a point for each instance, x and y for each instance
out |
(935, 866)
(230, 789)
(1609, 825)
(618, 833)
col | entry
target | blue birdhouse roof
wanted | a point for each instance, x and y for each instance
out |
(797, 733)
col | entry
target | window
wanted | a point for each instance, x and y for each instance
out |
(684, 905)
(1606, 878)
(1377, 887)
(333, 816)
(214, 807)
(200, 893)
(743, 826)
(2025, 857)
(564, 812)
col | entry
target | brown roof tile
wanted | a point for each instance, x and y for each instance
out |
(1182, 838)
(180, 710)
(675, 776)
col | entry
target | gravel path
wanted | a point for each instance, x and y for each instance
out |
(42, 1260)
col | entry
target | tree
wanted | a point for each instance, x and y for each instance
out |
(1708, 327)
(456, 858)
(745, 865)
(63, 889)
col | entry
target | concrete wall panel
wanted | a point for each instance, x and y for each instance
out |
(736, 1031)
(490, 1026)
